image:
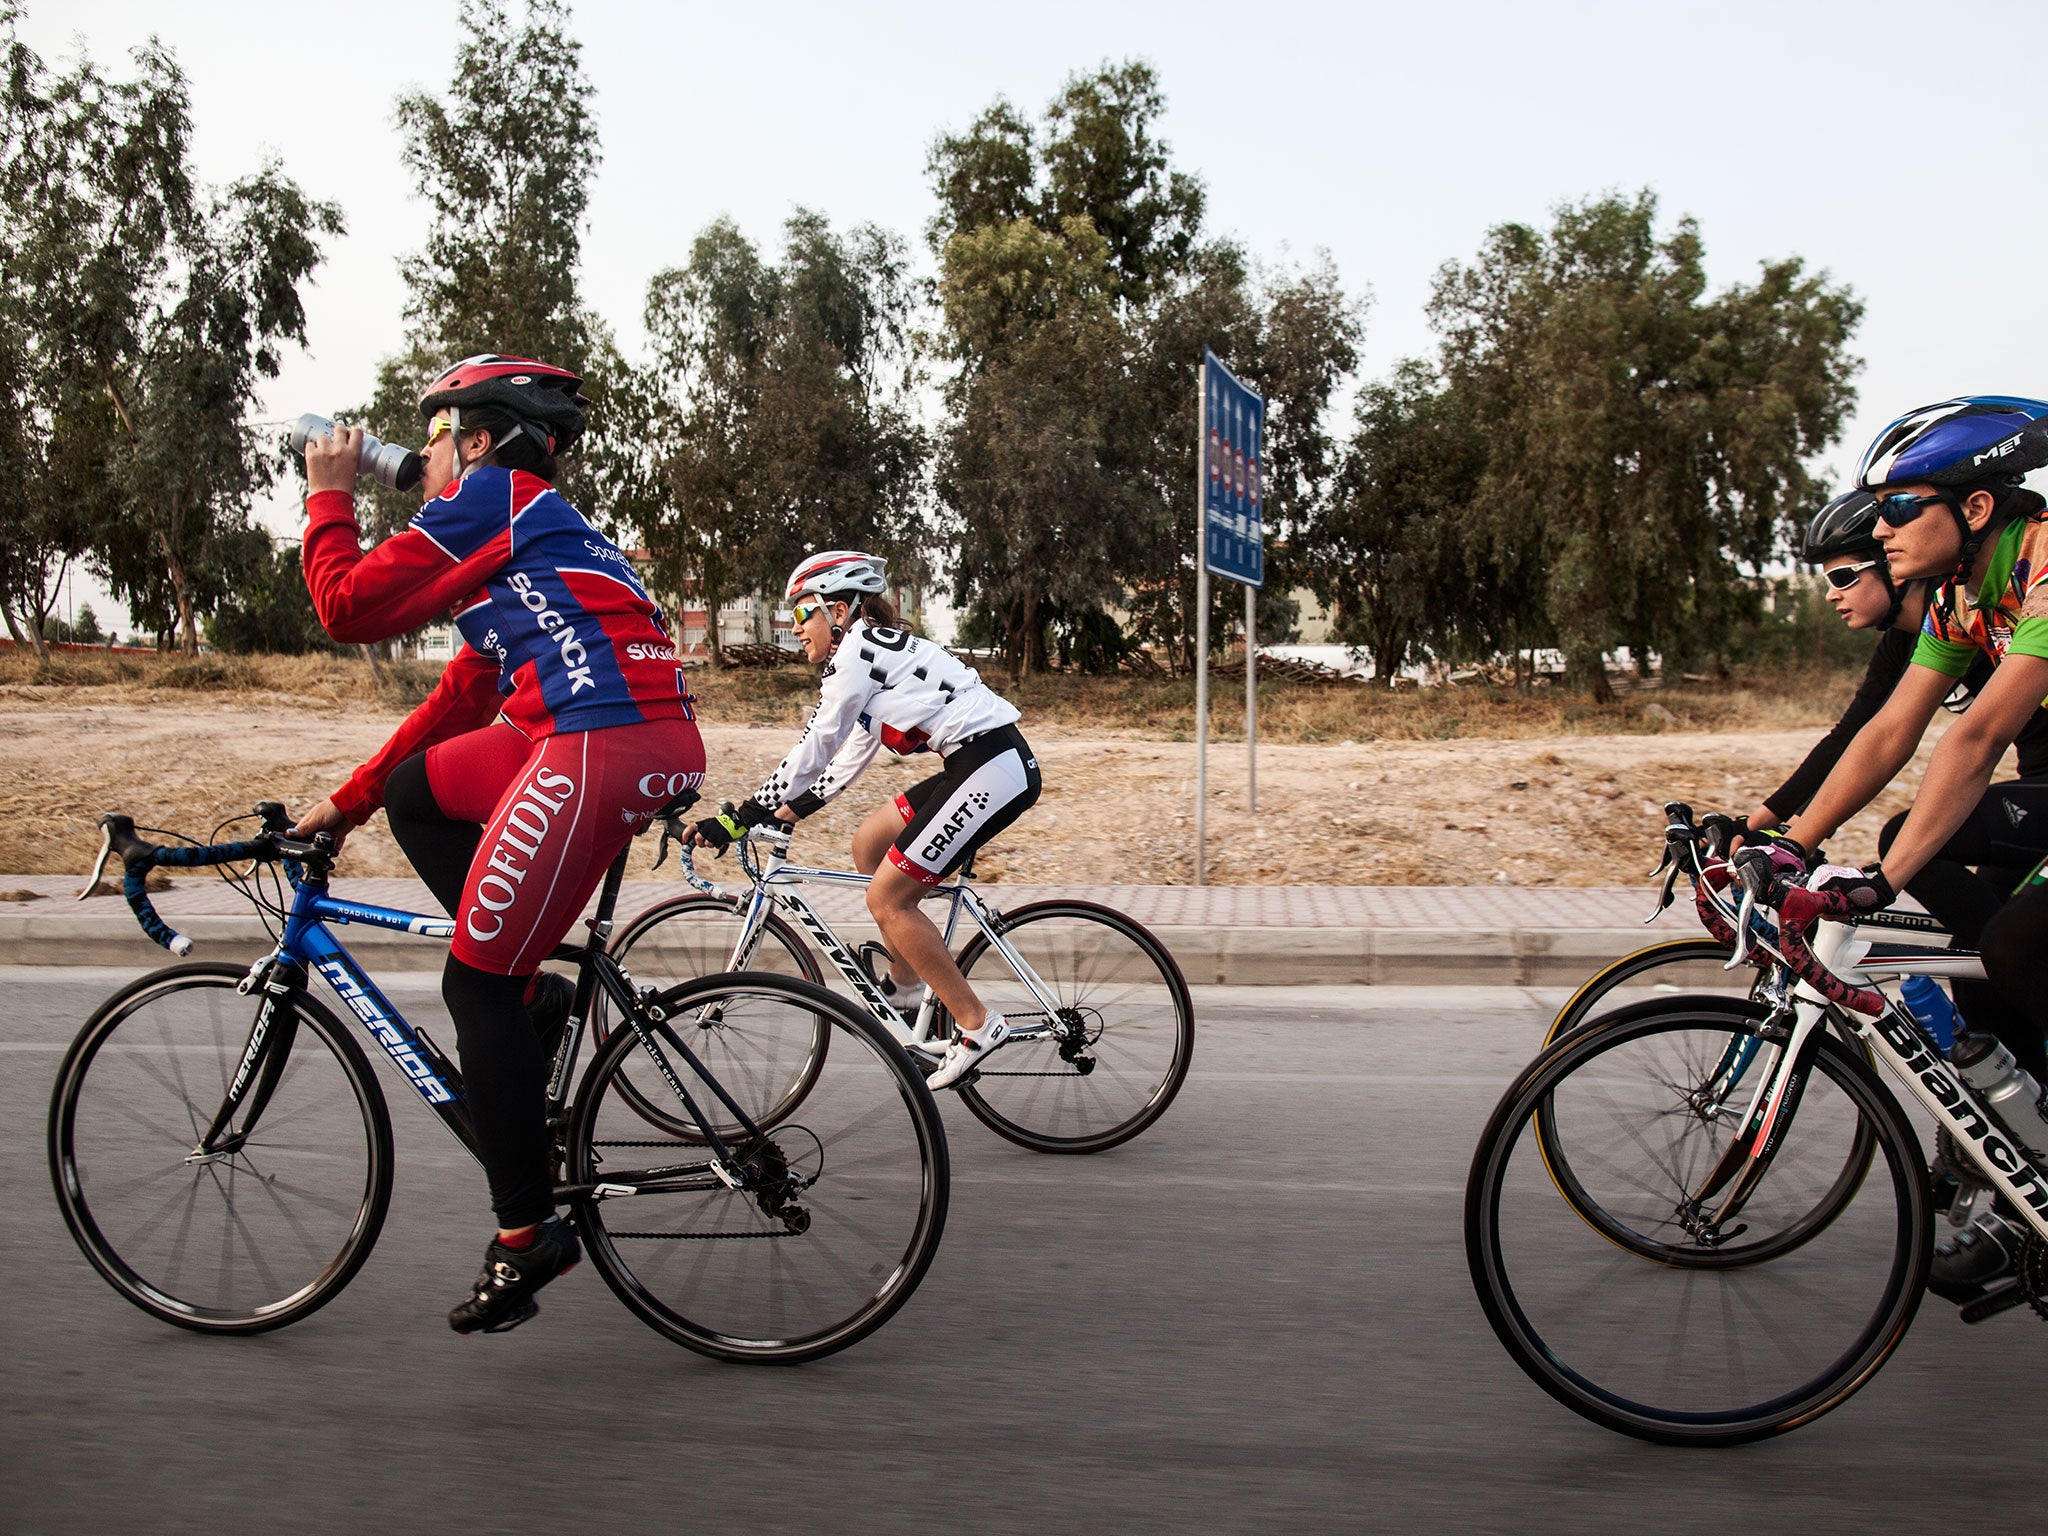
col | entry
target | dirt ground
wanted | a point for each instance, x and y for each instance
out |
(1118, 805)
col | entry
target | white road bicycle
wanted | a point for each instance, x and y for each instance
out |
(1746, 1218)
(1102, 1027)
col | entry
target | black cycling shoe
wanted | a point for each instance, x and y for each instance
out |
(553, 996)
(1987, 1250)
(503, 1297)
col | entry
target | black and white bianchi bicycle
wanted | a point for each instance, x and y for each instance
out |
(1705, 1220)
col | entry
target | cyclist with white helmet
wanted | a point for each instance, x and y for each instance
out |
(1987, 545)
(562, 726)
(885, 687)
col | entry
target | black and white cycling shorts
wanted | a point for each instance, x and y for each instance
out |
(989, 781)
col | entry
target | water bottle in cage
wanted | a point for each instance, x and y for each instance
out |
(2007, 1089)
(1929, 1004)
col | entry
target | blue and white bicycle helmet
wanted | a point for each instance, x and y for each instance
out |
(1970, 443)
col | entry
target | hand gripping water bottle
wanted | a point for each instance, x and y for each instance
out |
(1930, 1005)
(2008, 1091)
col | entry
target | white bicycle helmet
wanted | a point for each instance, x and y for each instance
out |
(847, 574)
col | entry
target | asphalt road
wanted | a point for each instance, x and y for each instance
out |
(1255, 1317)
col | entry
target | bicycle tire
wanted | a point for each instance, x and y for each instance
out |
(89, 1147)
(1082, 1112)
(1593, 991)
(1584, 1332)
(777, 1086)
(1796, 1226)
(880, 1188)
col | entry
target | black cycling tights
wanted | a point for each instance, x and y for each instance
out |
(2007, 834)
(504, 1070)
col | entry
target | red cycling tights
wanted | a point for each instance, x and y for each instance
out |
(555, 813)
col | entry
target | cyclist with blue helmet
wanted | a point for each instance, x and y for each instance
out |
(1951, 506)
(1842, 540)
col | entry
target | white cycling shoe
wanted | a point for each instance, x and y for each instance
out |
(968, 1052)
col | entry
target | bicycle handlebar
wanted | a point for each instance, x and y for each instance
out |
(139, 856)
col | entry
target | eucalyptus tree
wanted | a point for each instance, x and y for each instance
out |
(1646, 441)
(1079, 288)
(144, 311)
(776, 413)
(505, 160)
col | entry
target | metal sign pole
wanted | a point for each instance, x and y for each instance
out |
(1251, 691)
(1202, 629)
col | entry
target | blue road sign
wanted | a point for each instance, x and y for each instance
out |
(1233, 498)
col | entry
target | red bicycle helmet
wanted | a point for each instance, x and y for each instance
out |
(541, 399)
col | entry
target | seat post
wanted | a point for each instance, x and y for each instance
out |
(608, 894)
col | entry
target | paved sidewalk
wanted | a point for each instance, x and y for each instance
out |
(1272, 935)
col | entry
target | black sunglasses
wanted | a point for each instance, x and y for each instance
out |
(1900, 509)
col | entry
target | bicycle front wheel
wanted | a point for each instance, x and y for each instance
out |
(1123, 1028)
(252, 1236)
(1706, 1076)
(692, 936)
(838, 1215)
(1688, 1354)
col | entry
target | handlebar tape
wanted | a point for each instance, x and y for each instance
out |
(139, 856)
(1798, 911)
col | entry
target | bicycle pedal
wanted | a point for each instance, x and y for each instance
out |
(2000, 1298)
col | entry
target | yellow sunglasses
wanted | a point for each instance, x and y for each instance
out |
(802, 612)
(437, 429)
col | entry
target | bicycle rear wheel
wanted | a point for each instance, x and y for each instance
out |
(1124, 1037)
(692, 936)
(840, 1217)
(1694, 1354)
(1690, 965)
(1705, 1076)
(241, 1240)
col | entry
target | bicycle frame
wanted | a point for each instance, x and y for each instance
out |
(775, 883)
(1896, 1039)
(307, 948)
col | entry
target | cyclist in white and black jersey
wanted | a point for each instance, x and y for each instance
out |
(884, 687)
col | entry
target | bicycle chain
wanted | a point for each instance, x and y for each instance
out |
(700, 1237)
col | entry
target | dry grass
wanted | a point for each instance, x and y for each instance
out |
(1162, 709)
(1454, 786)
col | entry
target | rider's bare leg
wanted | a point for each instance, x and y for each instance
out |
(871, 840)
(915, 939)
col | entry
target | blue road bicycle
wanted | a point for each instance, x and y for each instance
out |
(222, 1151)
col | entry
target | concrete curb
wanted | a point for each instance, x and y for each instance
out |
(1208, 955)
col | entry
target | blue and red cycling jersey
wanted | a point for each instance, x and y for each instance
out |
(559, 634)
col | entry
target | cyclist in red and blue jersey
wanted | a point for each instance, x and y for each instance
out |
(561, 728)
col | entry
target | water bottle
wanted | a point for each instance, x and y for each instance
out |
(2011, 1094)
(1930, 1005)
(386, 463)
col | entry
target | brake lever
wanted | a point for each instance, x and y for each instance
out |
(1666, 891)
(1742, 917)
(99, 867)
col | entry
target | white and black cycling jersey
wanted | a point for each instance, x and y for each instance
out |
(884, 687)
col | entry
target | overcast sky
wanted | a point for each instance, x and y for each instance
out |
(1890, 144)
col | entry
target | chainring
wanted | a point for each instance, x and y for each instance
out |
(2034, 1275)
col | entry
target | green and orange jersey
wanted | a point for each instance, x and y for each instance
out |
(2009, 614)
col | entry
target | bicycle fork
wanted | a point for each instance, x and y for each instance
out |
(1741, 1168)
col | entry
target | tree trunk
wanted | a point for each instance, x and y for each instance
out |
(376, 666)
(1023, 640)
(1589, 665)
(188, 630)
(32, 637)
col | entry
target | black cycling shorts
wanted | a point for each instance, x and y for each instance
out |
(988, 782)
